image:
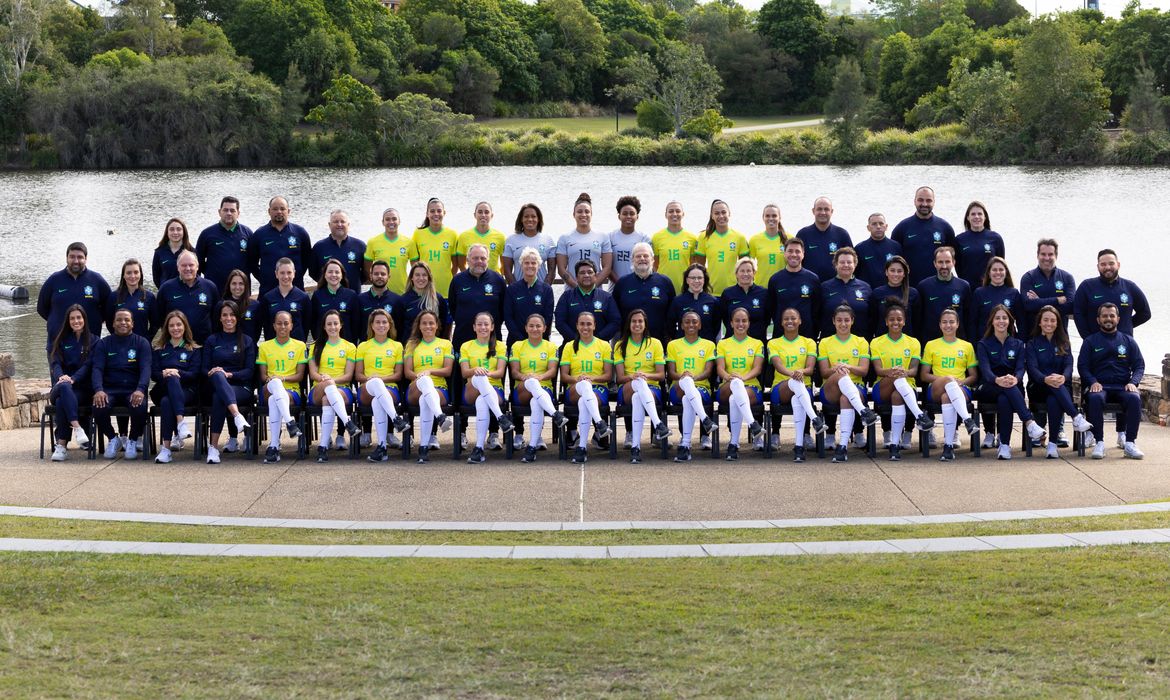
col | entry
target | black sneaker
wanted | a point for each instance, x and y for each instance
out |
(353, 428)
(580, 456)
(401, 424)
(636, 455)
(662, 431)
(422, 455)
(971, 426)
(798, 454)
(506, 424)
(818, 423)
(322, 453)
(272, 455)
(841, 454)
(708, 426)
(379, 454)
(600, 430)
(948, 454)
(924, 422)
(477, 456)
(895, 453)
(559, 420)
(868, 417)
(732, 453)
(293, 429)
(683, 454)
(755, 430)
(529, 454)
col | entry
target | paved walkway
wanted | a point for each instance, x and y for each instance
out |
(769, 127)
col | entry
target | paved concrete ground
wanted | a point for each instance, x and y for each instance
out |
(603, 490)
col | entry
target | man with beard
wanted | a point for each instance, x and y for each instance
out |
(587, 296)
(195, 296)
(1132, 308)
(1047, 285)
(921, 235)
(76, 284)
(223, 246)
(794, 287)
(1111, 366)
(821, 239)
(646, 290)
(943, 291)
(340, 246)
(379, 296)
(277, 239)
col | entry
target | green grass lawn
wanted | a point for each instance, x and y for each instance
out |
(602, 125)
(1076, 622)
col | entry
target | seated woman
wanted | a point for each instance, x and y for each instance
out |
(1049, 361)
(739, 363)
(586, 370)
(1001, 369)
(895, 357)
(795, 356)
(640, 363)
(175, 369)
(378, 372)
(429, 363)
(70, 363)
(229, 358)
(282, 363)
(121, 375)
(534, 367)
(844, 362)
(950, 370)
(332, 360)
(690, 362)
(483, 360)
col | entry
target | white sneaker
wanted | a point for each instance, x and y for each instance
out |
(758, 445)
(859, 440)
(886, 439)
(1035, 431)
(1121, 439)
(1090, 439)
(367, 440)
(59, 453)
(80, 438)
(540, 445)
(932, 440)
(1053, 452)
(1099, 450)
(212, 455)
(163, 456)
(131, 449)
(176, 443)
(1081, 424)
(1132, 451)
(463, 442)
(775, 440)
(1005, 452)
(393, 441)
(232, 445)
(183, 432)
(493, 442)
(435, 442)
(241, 424)
(339, 443)
(989, 441)
(907, 440)
(112, 448)
(830, 442)
(705, 442)
(518, 442)
(629, 444)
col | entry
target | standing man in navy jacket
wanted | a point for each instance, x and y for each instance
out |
(587, 296)
(921, 235)
(76, 284)
(875, 251)
(279, 238)
(821, 239)
(223, 246)
(943, 291)
(1111, 367)
(647, 290)
(197, 297)
(1132, 308)
(1047, 285)
(341, 246)
(474, 290)
(795, 287)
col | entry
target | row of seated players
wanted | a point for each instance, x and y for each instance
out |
(115, 371)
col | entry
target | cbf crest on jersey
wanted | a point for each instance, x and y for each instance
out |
(536, 298)
(986, 247)
(243, 245)
(937, 237)
(597, 355)
(1059, 285)
(856, 352)
(88, 290)
(859, 294)
(292, 355)
(1124, 298)
(1121, 350)
(202, 298)
(342, 306)
(832, 247)
(654, 291)
(487, 288)
(293, 306)
(131, 354)
(352, 256)
(292, 240)
(1011, 354)
(597, 305)
(954, 298)
(183, 356)
(804, 289)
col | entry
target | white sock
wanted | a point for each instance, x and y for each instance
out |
(274, 426)
(278, 399)
(540, 397)
(739, 397)
(380, 421)
(735, 421)
(897, 423)
(637, 418)
(583, 423)
(535, 423)
(907, 393)
(328, 418)
(958, 400)
(849, 391)
(429, 408)
(799, 416)
(488, 392)
(949, 423)
(847, 417)
(587, 401)
(688, 422)
(337, 403)
(692, 397)
(382, 397)
(643, 395)
(482, 419)
(800, 396)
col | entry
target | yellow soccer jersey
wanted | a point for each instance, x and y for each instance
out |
(379, 359)
(493, 239)
(436, 249)
(795, 354)
(396, 253)
(335, 358)
(739, 356)
(430, 356)
(722, 251)
(282, 360)
(646, 356)
(896, 353)
(850, 352)
(769, 255)
(588, 360)
(674, 251)
(474, 354)
(534, 359)
(949, 359)
(688, 357)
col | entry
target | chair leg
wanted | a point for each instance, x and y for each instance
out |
(871, 440)
(54, 433)
(977, 437)
(457, 434)
(613, 442)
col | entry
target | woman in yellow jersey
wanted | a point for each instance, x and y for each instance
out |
(483, 360)
(378, 371)
(391, 248)
(534, 366)
(282, 367)
(844, 362)
(435, 244)
(586, 370)
(739, 362)
(690, 362)
(674, 247)
(640, 363)
(950, 370)
(795, 357)
(331, 366)
(481, 233)
(720, 247)
(767, 246)
(429, 362)
(895, 358)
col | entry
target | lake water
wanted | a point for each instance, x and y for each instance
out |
(1085, 209)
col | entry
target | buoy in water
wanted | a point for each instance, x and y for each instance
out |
(12, 292)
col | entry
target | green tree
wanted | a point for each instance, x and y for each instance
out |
(986, 99)
(707, 125)
(686, 84)
(72, 31)
(572, 48)
(1139, 36)
(144, 25)
(654, 117)
(119, 60)
(798, 28)
(201, 37)
(1143, 115)
(894, 90)
(845, 105)
(474, 82)
(20, 36)
(412, 124)
(351, 110)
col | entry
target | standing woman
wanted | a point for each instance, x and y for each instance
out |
(391, 248)
(1001, 368)
(750, 297)
(690, 362)
(282, 363)
(767, 246)
(429, 362)
(483, 234)
(229, 358)
(794, 356)
(379, 369)
(332, 362)
(121, 375)
(674, 247)
(896, 287)
(844, 362)
(534, 365)
(238, 288)
(846, 289)
(174, 241)
(483, 360)
(1048, 359)
(583, 243)
(529, 233)
(949, 369)
(739, 363)
(424, 296)
(696, 297)
(640, 362)
(435, 244)
(720, 247)
(996, 289)
(133, 297)
(70, 362)
(586, 370)
(335, 294)
(175, 370)
(895, 357)
(976, 245)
